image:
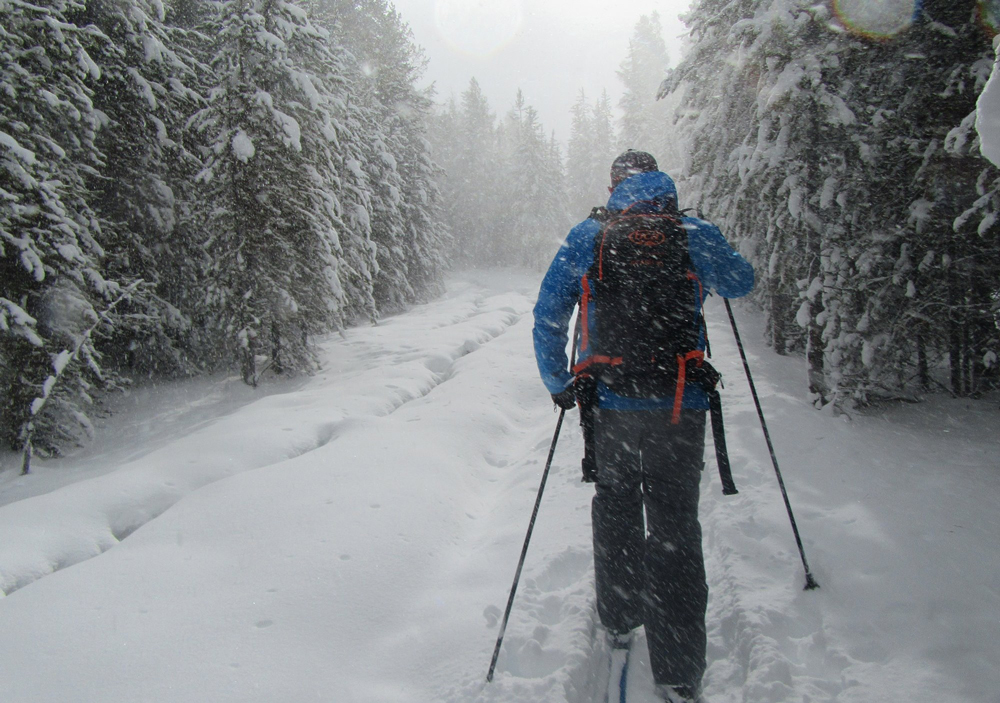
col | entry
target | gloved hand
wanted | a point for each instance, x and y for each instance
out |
(565, 399)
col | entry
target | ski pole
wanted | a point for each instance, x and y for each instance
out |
(810, 581)
(524, 549)
(719, 436)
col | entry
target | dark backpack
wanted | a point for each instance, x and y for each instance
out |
(643, 339)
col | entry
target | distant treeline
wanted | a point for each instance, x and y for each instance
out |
(511, 193)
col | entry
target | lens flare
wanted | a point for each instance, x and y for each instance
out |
(478, 27)
(989, 16)
(879, 20)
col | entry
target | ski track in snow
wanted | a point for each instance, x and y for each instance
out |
(460, 369)
(366, 359)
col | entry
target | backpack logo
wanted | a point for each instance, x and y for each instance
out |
(647, 237)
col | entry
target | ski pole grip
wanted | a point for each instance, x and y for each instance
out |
(719, 435)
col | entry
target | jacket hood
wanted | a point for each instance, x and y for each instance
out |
(652, 186)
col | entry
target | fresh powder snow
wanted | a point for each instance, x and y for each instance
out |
(988, 114)
(352, 536)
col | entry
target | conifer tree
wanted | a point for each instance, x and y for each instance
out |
(829, 157)
(643, 118)
(534, 207)
(604, 148)
(591, 151)
(579, 157)
(287, 260)
(471, 176)
(429, 237)
(407, 225)
(196, 184)
(954, 261)
(53, 290)
(143, 93)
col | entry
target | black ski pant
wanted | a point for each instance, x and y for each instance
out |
(650, 569)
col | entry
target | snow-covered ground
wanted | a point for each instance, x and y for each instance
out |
(353, 536)
(988, 113)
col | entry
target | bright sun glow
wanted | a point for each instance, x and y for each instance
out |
(989, 16)
(478, 27)
(876, 19)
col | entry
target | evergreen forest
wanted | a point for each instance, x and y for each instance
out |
(193, 186)
(198, 185)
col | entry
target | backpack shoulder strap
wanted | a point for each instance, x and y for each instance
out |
(686, 212)
(600, 214)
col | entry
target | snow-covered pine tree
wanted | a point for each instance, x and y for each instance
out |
(561, 218)
(921, 293)
(358, 27)
(719, 94)
(52, 289)
(590, 153)
(406, 225)
(604, 147)
(186, 266)
(826, 154)
(467, 143)
(770, 134)
(430, 239)
(796, 163)
(643, 117)
(143, 93)
(950, 291)
(982, 367)
(746, 83)
(533, 214)
(287, 261)
(579, 158)
(442, 126)
(477, 176)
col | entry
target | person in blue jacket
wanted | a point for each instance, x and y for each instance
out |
(648, 558)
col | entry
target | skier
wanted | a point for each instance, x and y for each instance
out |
(648, 455)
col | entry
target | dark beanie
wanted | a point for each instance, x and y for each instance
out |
(631, 163)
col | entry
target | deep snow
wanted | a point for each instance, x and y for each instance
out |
(988, 113)
(352, 536)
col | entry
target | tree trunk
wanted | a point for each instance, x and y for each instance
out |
(955, 357)
(276, 348)
(248, 366)
(816, 358)
(923, 373)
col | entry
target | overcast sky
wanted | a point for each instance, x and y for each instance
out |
(548, 48)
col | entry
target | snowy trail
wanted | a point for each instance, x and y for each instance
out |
(352, 537)
(367, 377)
(346, 539)
(886, 624)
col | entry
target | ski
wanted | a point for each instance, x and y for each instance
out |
(618, 679)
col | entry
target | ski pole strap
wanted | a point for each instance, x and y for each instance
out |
(585, 389)
(719, 436)
(707, 377)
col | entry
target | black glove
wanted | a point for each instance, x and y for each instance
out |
(565, 399)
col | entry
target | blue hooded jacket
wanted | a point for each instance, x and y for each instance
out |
(716, 264)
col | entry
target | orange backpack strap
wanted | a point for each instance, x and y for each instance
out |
(697, 356)
(585, 314)
(596, 360)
